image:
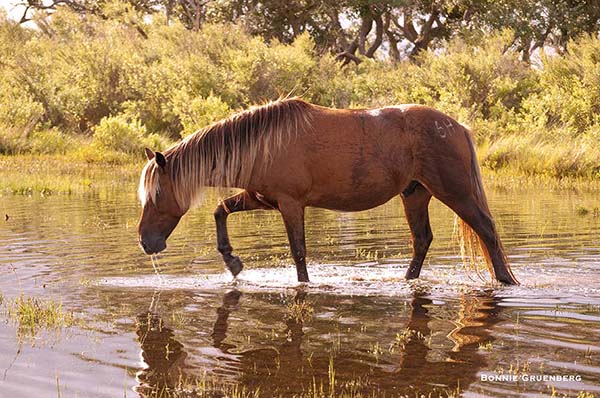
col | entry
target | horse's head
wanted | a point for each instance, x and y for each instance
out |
(160, 213)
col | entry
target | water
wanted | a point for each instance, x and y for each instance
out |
(358, 321)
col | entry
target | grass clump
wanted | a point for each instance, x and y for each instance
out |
(32, 315)
(582, 211)
(300, 311)
(201, 387)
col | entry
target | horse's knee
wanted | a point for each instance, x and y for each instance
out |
(220, 213)
(422, 241)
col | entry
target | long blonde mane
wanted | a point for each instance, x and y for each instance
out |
(224, 154)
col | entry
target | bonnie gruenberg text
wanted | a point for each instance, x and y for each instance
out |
(512, 378)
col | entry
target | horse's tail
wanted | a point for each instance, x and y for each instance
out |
(471, 246)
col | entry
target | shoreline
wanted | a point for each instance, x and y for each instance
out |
(62, 175)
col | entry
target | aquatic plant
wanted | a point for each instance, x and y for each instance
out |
(300, 311)
(32, 315)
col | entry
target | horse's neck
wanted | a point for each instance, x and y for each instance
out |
(221, 164)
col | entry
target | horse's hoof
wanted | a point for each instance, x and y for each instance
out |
(508, 281)
(235, 265)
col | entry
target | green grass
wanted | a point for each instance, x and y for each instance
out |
(62, 175)
(530, 161)
(300, 311)
(32, 315)
(511, 179)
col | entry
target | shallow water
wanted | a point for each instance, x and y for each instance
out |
(357, 321)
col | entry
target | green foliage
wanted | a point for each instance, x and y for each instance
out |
(100, 90)
(50, 141)
(119, 134)
(32, 315)
(569, 97)
(199, 112)
(486, 80)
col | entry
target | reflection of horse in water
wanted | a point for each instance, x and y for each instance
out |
(439, 348)
(161, 353)
(288, 352)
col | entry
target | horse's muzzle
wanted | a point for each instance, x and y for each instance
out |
(153, 246)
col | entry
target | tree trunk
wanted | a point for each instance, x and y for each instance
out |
(365, 29)
(378, 37)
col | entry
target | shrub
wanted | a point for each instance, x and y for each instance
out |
(196, 113)
(120, 134)
(474, 82)
(569, 96)
(12, 141)
(156, 142)
(51, 141)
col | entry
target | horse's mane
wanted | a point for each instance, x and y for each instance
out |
(224, 153)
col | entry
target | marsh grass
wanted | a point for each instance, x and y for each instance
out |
(300, 311)
(202, 387)
(208, 387)
(31, 315)
(487, 346)
(61, 175)
(532, 154)
(513, 179)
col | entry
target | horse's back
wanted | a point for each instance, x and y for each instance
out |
(359, 159)
(353, 161)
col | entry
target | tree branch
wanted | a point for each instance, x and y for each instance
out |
(378, 37)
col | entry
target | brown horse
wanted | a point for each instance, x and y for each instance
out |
(290, 154)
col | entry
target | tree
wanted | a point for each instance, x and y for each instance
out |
(362, 28)
(539, 23)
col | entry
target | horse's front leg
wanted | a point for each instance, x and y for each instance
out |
(293, 217)
(241, 202)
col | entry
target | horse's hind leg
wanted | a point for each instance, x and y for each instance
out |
(241, 202)
(467, 207)
(481, 222)
(416, 207)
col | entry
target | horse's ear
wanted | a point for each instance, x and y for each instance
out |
(149, 153)
(160, 159)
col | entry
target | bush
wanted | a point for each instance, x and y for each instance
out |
(51, 141)
(196, 113)
(120, 134)
(569, 98)
(486, 82)
(12, 141)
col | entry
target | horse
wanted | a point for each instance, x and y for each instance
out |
(289, 154)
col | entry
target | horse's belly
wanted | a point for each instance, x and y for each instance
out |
(351, 201)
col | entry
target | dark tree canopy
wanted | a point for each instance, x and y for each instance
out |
(355, 29)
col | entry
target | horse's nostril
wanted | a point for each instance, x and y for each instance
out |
(152, 245)
(144, 246)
